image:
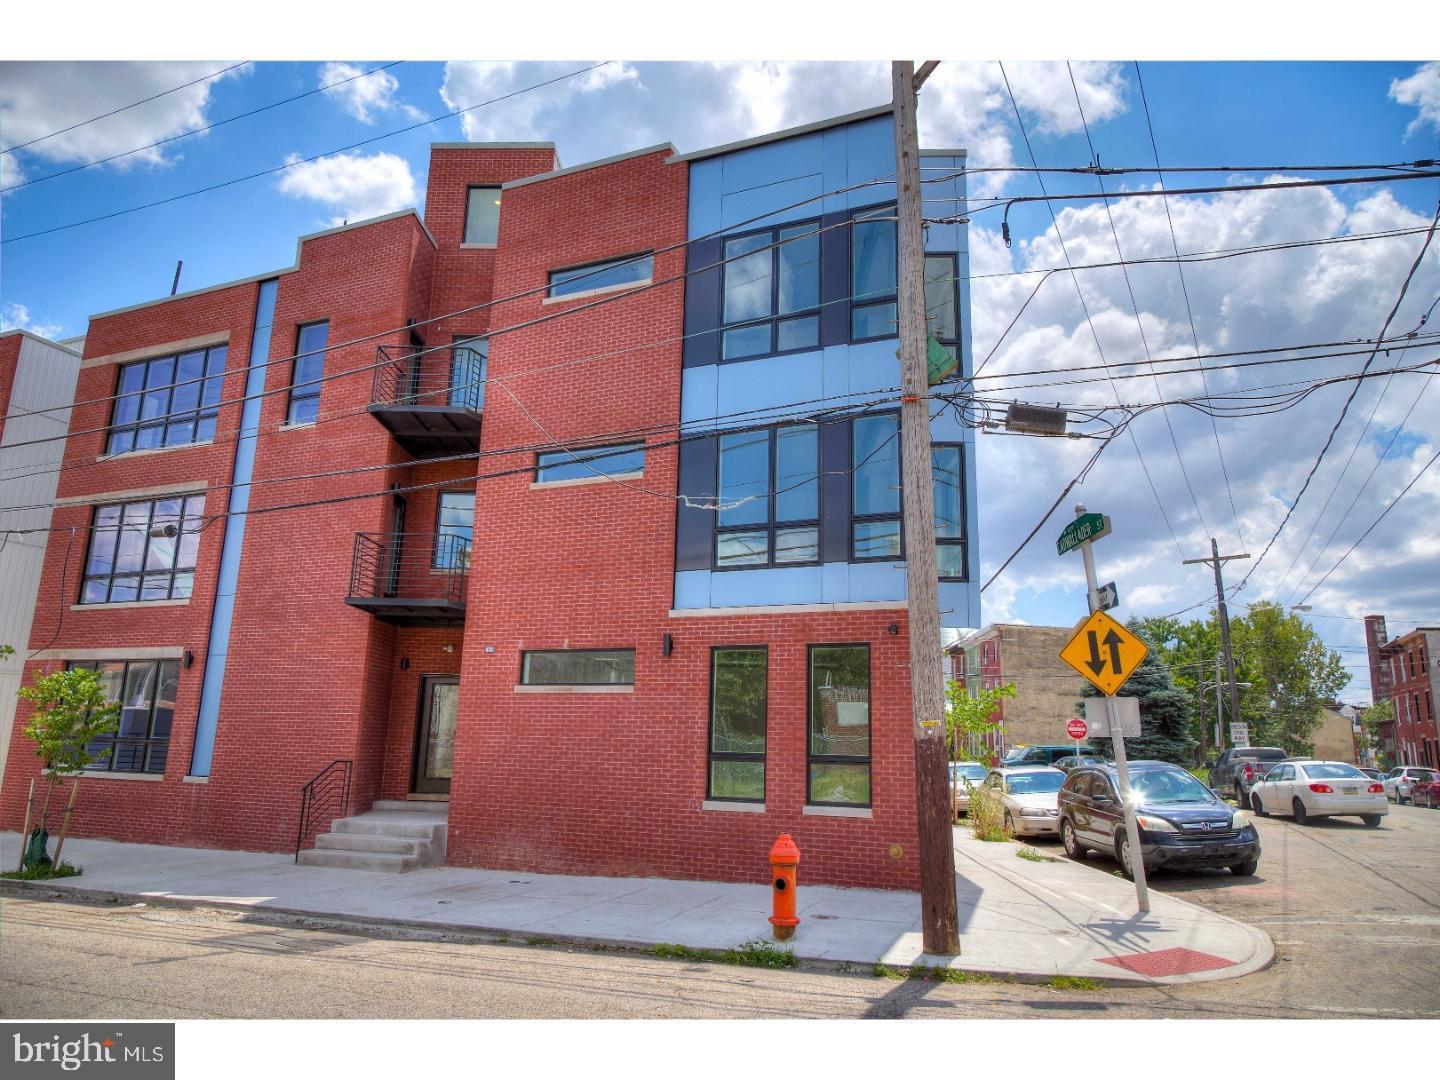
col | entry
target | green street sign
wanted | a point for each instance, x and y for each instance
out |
(1085, 527)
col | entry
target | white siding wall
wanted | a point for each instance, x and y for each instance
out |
(45, 378)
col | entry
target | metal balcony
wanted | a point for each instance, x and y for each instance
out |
(430, 399)
(411, 579)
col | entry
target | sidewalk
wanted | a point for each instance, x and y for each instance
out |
(1018, 918)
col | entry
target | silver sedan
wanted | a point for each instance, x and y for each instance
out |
(1027, 796)
(1311, 789)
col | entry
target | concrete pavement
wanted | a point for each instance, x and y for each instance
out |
(1020, 919)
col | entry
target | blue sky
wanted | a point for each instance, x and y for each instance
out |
(1234, 114)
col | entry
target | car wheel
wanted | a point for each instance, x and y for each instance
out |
(1122, 855)
(1298, 808)
(1239, 795)
(1258, 806)
(1073, 847)
(1246, 868)
(1372, 820)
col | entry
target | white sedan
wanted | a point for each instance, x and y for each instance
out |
(1028, 796)
(1311, 789)
(1400, 780)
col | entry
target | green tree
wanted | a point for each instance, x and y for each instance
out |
(1371, 720)
(1291, 675)
(71, 712)
(967, 717)
(1165, 709)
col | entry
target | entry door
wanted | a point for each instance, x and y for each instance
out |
(435, 739)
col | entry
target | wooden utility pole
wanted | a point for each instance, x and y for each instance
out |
(1223, 613)
(939, 918)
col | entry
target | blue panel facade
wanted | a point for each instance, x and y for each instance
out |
(757, 186)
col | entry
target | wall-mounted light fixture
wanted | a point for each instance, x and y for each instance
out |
(893, 629)
(405, 663)
(667, 644)
(189, 658)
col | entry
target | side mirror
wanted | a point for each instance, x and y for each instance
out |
(1100, 797)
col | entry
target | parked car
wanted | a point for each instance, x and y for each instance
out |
(1236, 769)
(1065, 764)
(1027, 795)
(1311, 789)
(965, 776)
(1426, 793)
(1045, 755)
(1374, 774)
(1182, 823)
(1400, 780)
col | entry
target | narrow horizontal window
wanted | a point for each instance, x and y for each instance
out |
(591, 461)
(578, 667)
(631, 270)
(167, 401)
(143, 551)
(482, 215)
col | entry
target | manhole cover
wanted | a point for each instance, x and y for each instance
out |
(1169, 962)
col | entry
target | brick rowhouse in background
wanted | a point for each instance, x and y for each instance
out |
(533, 647)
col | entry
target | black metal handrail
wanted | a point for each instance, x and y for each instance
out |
(452, 377)
(410, 566)
(325, 798)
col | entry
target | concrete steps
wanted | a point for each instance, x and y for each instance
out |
(392, 837)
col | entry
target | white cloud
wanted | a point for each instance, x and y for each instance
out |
(37, 98)
(364, 96)
(357, 186)
(17, 317)
(1422, 89)
(529, 116)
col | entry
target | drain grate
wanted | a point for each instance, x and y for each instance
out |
(1169, 962)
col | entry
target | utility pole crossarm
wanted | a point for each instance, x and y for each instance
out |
(924, 73)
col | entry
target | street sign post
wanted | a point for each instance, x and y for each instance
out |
(1084, 528)
(1239, 735)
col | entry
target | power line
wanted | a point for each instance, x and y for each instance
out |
(199, 130)
(123, 108)
(1107, 170)
(1185, 293)
(298, 161)
(1065, 252)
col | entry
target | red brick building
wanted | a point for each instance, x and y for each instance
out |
(398, 525)
(1406, 672)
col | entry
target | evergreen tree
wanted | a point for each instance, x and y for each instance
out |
(1165, 711)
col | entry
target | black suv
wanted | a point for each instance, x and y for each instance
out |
(1046, 755)
(1182, 822)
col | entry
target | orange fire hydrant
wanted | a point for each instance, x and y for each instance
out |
(784, 858)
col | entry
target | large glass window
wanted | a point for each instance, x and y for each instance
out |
(143, 551)
(453, 529)
(875, 448)
(873, 274)
(468, 358)
(578, 667)
(631, 270)
(839, 743)
(949, 482)
(146, 692)
(769, 489)
(167, 401)
(591, 462)
(482, 215)
(772, 292)
(737, 723)
(309, 366)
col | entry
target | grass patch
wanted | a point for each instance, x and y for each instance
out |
(924, 973)
(749, 954)
(539, 941)
(1031, 855)
(667, 951)
(43, 873)
(1073, 982)
(881, 971)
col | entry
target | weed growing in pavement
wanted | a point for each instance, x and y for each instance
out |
(759, 954)
(1073, 982)
(987, 819)
(922, 973)
(1030, 854)
(880, 971)
(685, 952)
(539, 941)
(43, 873)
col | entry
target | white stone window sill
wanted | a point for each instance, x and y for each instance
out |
(478, 247)
(733, 807)
(597, 292)
(130, 604)
(608, 688)
(303, 426)
(580, 481)
(105, 774)
(839, 811)
(195, 779)
(151, 450)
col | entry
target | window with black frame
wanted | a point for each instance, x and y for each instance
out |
(454, 527)
(873, 274)
(167, 401)
(146, 692)
(769, 513)
(737, 723)
(942, 300)
(578, 667)
(875, 524)
(602, 276)
(590, 463)
(310, 341)
(948, 477)
(143, 551)
(839, 728)
(771, 298)
(468, 358)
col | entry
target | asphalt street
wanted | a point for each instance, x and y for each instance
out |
(1355, 914)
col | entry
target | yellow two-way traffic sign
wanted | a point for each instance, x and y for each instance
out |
(1104, 652)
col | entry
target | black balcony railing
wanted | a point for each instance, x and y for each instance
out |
(410, 578)
(430, 399)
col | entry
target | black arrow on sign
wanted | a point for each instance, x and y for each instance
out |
(1095, 663)
(1113, 640)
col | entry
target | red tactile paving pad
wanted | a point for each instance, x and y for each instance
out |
(1169, 962)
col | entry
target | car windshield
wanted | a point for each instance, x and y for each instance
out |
(1168, 786)
(968, 772)
(1036, 783)
(1334, 771)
